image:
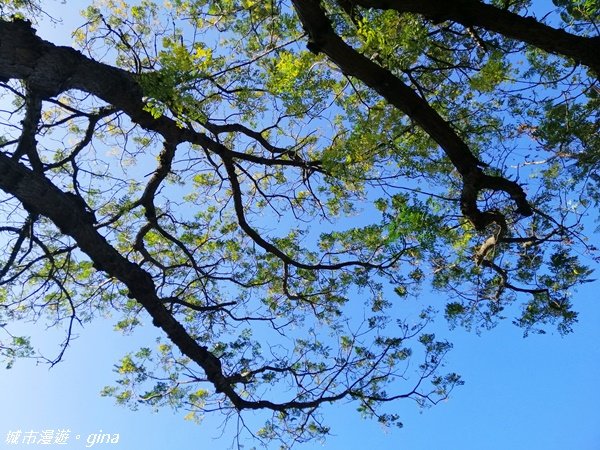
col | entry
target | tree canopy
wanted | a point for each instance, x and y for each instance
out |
(269, 183)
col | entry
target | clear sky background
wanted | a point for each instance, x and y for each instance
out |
(542, 392)
(520, 394)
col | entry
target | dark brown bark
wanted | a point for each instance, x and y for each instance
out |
(583, 50)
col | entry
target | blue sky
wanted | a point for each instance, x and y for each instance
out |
(520, 394)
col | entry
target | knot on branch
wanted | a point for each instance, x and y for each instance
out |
(473, 183)
(476, 181)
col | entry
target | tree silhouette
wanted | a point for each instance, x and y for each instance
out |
(249, 175)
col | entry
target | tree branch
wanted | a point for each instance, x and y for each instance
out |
(583, 50)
